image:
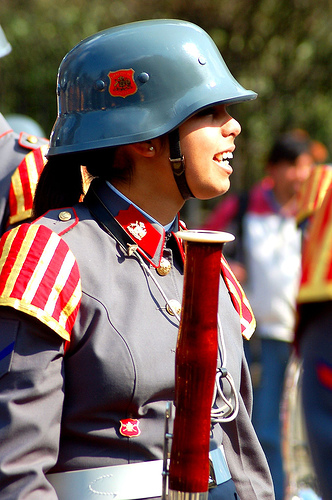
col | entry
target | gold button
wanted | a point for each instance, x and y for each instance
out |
(164, 267)
(32, 139)
(173, 306)
(64, 216)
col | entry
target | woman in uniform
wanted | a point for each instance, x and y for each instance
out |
(91, 291)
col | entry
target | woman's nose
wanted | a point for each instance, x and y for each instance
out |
(231, 127)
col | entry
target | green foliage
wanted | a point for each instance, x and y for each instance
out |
(282, 50)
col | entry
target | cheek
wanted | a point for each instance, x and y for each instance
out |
(197, 141)
(196, 155)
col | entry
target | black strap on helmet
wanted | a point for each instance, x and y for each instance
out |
(178, 164)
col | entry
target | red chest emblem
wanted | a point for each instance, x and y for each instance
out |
(130, 427)
(122, 83)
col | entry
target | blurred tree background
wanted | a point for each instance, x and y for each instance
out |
(282, 50)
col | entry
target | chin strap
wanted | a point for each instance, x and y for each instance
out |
(178, 164)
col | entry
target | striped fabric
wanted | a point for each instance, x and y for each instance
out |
(316, 280)
(39, 276)
(240, 301)
(23, 185)
(313, 191)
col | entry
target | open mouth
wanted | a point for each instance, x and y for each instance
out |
(222, 159)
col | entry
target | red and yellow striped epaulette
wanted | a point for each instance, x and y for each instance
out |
(39, 276)
(312, 191)
(316, 279)
(239, 298)
(240, 301)
(23, 185)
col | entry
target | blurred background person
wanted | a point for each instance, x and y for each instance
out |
(300, 477)
(306, 440)
(266, 259)
(314, 330)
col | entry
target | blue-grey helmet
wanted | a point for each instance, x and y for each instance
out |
(138, 81)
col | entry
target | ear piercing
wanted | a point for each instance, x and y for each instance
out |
(151, 148)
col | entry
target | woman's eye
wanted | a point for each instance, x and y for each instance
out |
(206, 111)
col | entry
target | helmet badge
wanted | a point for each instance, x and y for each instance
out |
(122, 83)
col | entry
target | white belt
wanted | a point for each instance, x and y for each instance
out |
(123, 482)
(118, 482)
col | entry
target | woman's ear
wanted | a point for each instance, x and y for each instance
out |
(145, 148)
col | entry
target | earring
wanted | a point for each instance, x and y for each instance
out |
(151, 148)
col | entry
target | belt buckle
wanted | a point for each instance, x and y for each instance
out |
(212, 476)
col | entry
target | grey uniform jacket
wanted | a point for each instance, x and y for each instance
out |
(62, 412)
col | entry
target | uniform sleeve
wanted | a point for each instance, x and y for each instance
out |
(31, 400)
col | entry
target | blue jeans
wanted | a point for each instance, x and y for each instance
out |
(225, 491)
(316, 351)
(267, 398)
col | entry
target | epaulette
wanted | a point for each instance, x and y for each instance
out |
(316, 279)
(240, 301)
(312, 192)
(238, 297)
(29, 141)
(39, 276)
(23, 185)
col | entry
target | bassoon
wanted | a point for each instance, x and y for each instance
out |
(195, 365)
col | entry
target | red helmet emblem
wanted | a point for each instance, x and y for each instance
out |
(122, 83)
(130, 427)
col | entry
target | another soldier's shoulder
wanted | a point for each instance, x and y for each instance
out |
(30, 142)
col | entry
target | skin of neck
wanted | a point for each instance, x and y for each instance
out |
(152, 186)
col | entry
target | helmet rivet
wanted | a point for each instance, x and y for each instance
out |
(202, 60)
(100, 85)
(143, 77)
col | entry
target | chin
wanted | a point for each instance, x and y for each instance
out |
(209, 194)
(222, 188)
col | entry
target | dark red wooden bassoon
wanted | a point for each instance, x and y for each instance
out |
(196, 362)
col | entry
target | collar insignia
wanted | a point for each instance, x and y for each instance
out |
(137, 229)
(141, 230)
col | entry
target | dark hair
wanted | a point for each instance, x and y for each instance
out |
(60, 183)
(289, 146)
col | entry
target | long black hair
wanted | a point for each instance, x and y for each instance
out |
(60, 183)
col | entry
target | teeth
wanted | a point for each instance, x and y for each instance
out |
(223, 156)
